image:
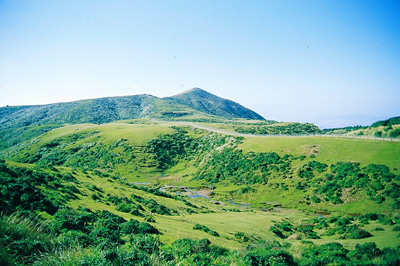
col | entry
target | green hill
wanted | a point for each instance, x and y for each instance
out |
(208, 103)
(105, 110)
(20, 123)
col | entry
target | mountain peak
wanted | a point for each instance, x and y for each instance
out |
(209, 103)
(192, 90)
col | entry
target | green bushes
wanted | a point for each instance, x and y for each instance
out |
(18, 190)
(344, 227)
(376, 180)
(250, 168)
(307, 230)
(205, 229)
(143, 250)
(100, 228)
(241, 237)
(289, 129)
(170, 146)
(282, 229)
(89, 238)
(267, 253)
(353, 232)
(197, 252)
(335, 254)
(395, 133)
(327, 254)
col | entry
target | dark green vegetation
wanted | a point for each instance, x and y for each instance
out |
(87, 238)
(346, 227)
(389, 122)
(205, 229)
(389, 128)
(117, 193)
(279, 129)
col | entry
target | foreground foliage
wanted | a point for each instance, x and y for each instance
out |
(27, 242)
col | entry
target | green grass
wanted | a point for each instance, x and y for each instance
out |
(329, 149)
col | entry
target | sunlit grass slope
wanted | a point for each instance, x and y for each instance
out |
(329, 149)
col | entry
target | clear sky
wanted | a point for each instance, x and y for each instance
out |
(327, 62)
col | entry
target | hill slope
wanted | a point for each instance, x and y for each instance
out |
(97, 111)
(206, 102)
(20, 123)
(105, 110)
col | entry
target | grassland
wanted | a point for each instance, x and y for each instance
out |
(221, 216)
(329, 149)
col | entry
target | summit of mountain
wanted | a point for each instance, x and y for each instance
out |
(209, 103)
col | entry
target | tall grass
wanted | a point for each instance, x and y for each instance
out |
(23, 240)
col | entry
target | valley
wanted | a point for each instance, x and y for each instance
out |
(195, 190)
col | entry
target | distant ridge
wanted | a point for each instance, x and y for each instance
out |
(208, 103)
(109, 109)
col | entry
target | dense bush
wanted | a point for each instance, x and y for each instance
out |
(205, 229)
(289, 129)
(327, 254)
(250, 168)
(267, 253)
(353, 232)
(168, 147)
(19, 190)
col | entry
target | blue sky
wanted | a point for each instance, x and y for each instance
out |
(333, 63)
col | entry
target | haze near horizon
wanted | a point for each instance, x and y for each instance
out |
(329, 63)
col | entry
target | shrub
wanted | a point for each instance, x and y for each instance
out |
(353, 232)
(205, 229)
(328, 254)
(396, 228)
(366, 251)
(394, 133)
(186, 247)
(267, 253)
(389, 257)
(241, 236)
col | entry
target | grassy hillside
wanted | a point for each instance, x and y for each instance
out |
(314, 195)
(329, 149)
(145, 151)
